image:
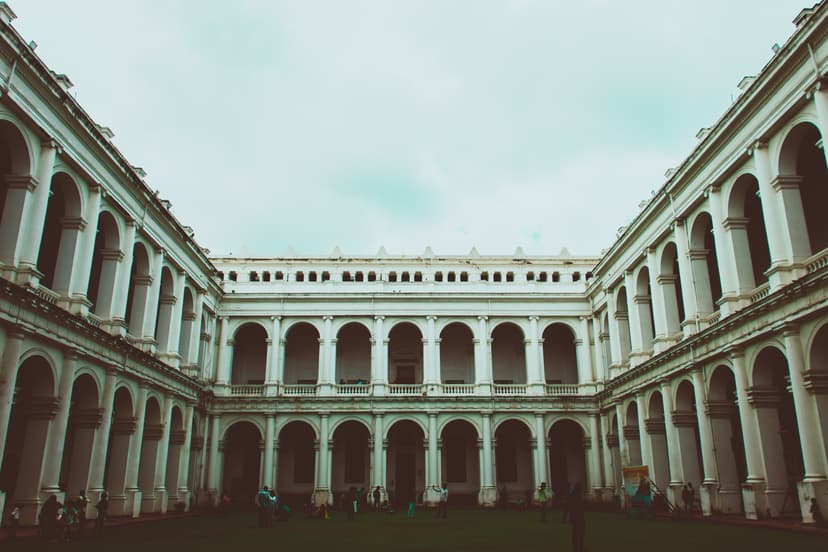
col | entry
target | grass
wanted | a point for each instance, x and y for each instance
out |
(463, 530)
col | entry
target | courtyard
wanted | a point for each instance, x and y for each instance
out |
(464, 530)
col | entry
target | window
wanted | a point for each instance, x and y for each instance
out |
(510, 276)
(233, 276)
(265, 276)
(346, 276)
(392, 276)
(326, 276)
(220, 275)
(497, 277)
(576, 276)
(311, 276)
(464, 276)
(405, 277)
(254, 276)
(530, 276)
(588, 276)
(452, 277)
(418, 276)
(280, 275)
(542, 276)
(372, 276)
(300, 276)
(484, 276)
(556, 276)
(359, 277)
(438, 276)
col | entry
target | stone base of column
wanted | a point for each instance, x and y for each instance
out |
(483, 389)
(25, 275)
(708, 496)
(182, 497)
(322, 496)
(689, 327)
(193, 370)
(431, 497)
(146, 344)
(754, 499)
(115, 326)
(664, 342)
(134, 499)
(206, 497)
(639, 357)
(674, 494)
(271, 388)
(119, 505)
(808, 490)
(326, 389)
(94, 496)
(487, 497)
(731, 302)
(781, 274)
(537, 389)
(2, 509)
(379, 388)
(162, 498)
(76, 304)
(171, 359)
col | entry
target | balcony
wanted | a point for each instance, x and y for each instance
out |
(298, 390)
(246, 390)
(353, 390)
(406, 389)
(510, 389)
(458, 389)
(562, 389)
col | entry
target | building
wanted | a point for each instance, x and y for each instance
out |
(697, 344)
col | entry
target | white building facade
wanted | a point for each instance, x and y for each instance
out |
(697, 344)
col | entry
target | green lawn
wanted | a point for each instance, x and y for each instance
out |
(463, 530)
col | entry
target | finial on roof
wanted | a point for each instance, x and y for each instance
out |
(291, 252)
(382, 253)
(474, 252)
(564, 252)
(519, 254)
(336, 253)
(428, 253)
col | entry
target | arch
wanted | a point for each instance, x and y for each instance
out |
(106, 255)
(242, 460)
(15, 165)
(670, 288)
(643, 300)
(560, 359)
(406, 464)
(297, 459)
(687, 428)
(249, 355)
(405, 353)
(749, 238)
(705, 264)
(656, 430)
(726, 429)
(567, 456)
(350, 458)
(460, 467)
(166, 304)
(359, 419)
(622, 320)
(817, 359)
(353, 354)
(349, 324)
(390, 421)
(802, 165)
(301, 354)
(632, 433)
(508, 354)
(514, 418)
(84, 417)
(513, 457)
(61, 233)
(120, 434)
(457, 354)
(139, 284)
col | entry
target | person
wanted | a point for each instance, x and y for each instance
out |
(442, 506)
(48, 517)
(351, 505)
(411, 507)
(542, 499)
(377, 496)
(69, 518)
(575, 509)
(14, 521)
(262, 506)
(103, 507)
(688, 495)
(272, 506)
(504, 498)
(816, 513)
(81, 503)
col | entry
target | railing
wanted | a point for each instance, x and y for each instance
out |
(458, 389)
(353, 389)
(818, 261)
(509, 389)
(246, 390)
(94, 320)
(760, 293)
(562, 389)
(298, 390)
(46, 294)
(713, 318)
(405, 389)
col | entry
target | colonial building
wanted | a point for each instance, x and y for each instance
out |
(696, 345)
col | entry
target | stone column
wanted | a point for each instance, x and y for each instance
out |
(616, 358)
(488, 492)
(213, 459)
(597, 350)
(731, 288)
(814, 483)
(53, 456)
(821, 108)
(225, 359)
(593, 456)
(95, 484)
(193, 350)
(753, 490)
(430, 373)
(133, 492)
(482, 358)
(540, 462)
(267, 467)
(623, 450)
(9, 365)
(377, 479)
(610, 470)
(24, 245)
(708, 492)
(379, 358)
(677, 477)
(585, 370)
(161, 491)
(323, 477)
(432, 495)
(637, 352)
(153, 296)
(82, 265)
(117, 318)
(534, 374)
(274, 374)
(183, 491)
(643, 435)
(173, 354)
(662, 332)
(689, 325)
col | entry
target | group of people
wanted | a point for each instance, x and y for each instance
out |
(62, 521)
(269, 508)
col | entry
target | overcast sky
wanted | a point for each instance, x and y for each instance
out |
(307, 124)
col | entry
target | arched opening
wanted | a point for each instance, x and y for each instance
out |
(606, 346)
(249, 355)
(615, 451)
(817, 367)
(656, 430)
(460, 464)
(567, 457)
(196, 466)
(746, 223)
(120, 434)
(139, 284)
(33, 406)
(302, 354)
(106, 256)
(188, 324)
(297, 462)
(669, 284)
(153, 431)
(778, 430)
(176, 448)
(560, 361)
(705, 265)
(643, 300)
(802, 163)
(84, 419)
(508, 354)
(622, 321)
(687, 429)
(405, 477)
(166, 304)
(457, 354)
(61, 231)
(242, 461)
(632, 435)
(405, 354)
(14, 172)
(513, 460)
(727, 439)
(353, 354)
(351, 459)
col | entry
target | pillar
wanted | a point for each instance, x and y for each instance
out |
(273, 371)
(432, 494)
(643, 435)
(95, 484)
(661, 341)
(117, 318)
(488, 491)
(225, 357)
(193, 351)
(753, 490)
(267, 466)
(689, 325)
(593, 456)
(9, 365)
(539, 461)
(53, 455)
(482, 358)
(534, 373)
(616, 357)
(677, 478)
(323, 475)
(213, 459)
(379, 358)
(183, 485)
(82, 265)
(585, 370)
(26, 241)
(161, 491)
(637, 351)
(377, 478)
(153, 296)
(133, 492)
(710, 483)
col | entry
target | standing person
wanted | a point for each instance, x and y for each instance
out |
(351, 505)
(377, 496)
(103, 507)
(48, 517)
(575, 509)
(442, 506)
(14, 521)
(504, 498)
(81, 504)
(691, 498)
(262, 502)
(411, 506)
(542, 499)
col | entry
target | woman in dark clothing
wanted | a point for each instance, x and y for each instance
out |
(575, 509)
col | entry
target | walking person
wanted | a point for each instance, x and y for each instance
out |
(442, 506)
(542, 500)
(14, 521)
(103, 508)
(575, 511)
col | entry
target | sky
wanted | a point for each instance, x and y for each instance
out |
(278, 127)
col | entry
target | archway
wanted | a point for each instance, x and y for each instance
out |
(705, 265)
(508, 354)
(460, 463)
(166, 304)
(175, 494)
(567, 457)
(727, 439)
(84, 419)
(643, 300)
(351, 458)
(656, 430)
(249, 355)
(513, 460)
(749, 238)
(301, 354)
(297, 462)
(14, 167)
(457, 354)
(405, 472)
(148, 465)
(139, 284)
(560, 361)
(689, 440)
(242, 462)
(632, 435)
(121, 433)
(61, 231)
(405, 354)
(106, 256)
(353, 354)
